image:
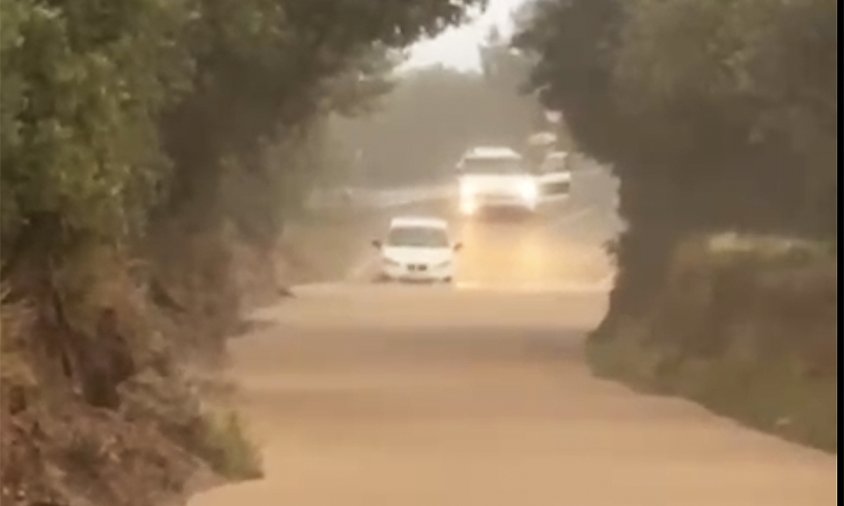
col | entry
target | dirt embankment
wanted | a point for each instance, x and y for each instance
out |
(747, 327)
(91, 418)
(109, 384)
(99, 404)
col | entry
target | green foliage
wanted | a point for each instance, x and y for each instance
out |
(745, 325)
(686, 67)
(294, 61)
(148, 128)
(767, 395)
(259, 199)
(715, 114)
(81, 88)
(220, 439)
(107, 107)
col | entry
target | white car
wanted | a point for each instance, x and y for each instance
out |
(498, 177)
(417, 249)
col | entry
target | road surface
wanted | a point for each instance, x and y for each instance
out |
(479, 395)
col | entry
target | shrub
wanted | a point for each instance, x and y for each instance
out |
(221, 440)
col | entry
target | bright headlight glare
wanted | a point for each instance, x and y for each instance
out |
(528, 190)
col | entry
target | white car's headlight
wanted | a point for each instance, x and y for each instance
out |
(467, 189)
(467, 197)
(390, 261)
(528, 190)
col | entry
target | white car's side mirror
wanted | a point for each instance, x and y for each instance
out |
(376, 244)
(458, 246)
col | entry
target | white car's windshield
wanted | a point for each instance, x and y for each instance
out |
(492, 166)
(427, 237)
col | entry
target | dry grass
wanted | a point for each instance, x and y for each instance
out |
(16, 324)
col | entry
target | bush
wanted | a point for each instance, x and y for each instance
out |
(220, 439)
(747, 328)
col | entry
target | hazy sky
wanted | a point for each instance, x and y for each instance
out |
(457, 47)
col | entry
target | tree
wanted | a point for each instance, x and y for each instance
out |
(111, 110)
(715, 114)
(153, 129)
(434, 114)
(287, 69)
(81, 87)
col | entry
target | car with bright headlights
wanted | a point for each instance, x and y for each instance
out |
(492, 177)
(417, 249)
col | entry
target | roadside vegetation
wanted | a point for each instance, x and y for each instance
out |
(747, 327)
(421, 129)
(719, 117)
(221, 439)
(150, 152)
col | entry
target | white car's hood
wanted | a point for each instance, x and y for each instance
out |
(416, 255)
(495, 182)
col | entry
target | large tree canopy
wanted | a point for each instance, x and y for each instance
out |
(714, 113)
(111, 108)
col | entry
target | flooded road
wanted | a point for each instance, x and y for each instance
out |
(479, 394)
